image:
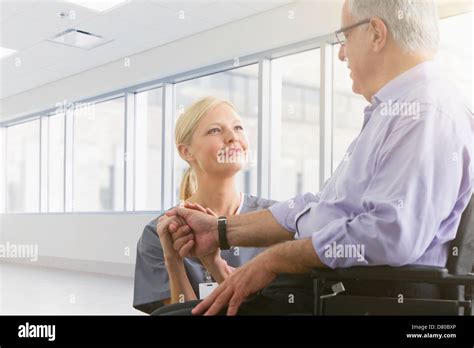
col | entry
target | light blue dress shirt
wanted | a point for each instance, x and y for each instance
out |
(398, 195)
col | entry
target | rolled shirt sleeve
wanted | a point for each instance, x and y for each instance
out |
(286, 212)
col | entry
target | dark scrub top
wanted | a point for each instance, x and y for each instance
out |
(151, 276)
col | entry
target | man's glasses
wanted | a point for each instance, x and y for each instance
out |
(340, 34)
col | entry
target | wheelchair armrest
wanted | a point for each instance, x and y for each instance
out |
(406, 273)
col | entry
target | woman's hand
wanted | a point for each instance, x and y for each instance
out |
(199, 207)
(179, 283)
(164, 226)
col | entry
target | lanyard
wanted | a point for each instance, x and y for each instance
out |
(207, 275)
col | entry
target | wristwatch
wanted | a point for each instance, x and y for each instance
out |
(222, 229)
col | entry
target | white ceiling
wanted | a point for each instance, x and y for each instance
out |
(134, 27)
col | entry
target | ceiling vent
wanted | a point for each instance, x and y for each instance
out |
(80, 39)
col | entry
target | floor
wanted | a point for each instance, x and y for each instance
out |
(37, 290)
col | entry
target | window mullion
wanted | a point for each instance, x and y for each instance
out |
(129, 155)
(44, 164)
(325, 114)
(68, 159)
(168, 198)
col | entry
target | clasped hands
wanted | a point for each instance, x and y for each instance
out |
(193, 232)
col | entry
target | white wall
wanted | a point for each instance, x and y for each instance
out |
(104, 243)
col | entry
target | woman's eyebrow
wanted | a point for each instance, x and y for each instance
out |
(220, 124)
(214, 123)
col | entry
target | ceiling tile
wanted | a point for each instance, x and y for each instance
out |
(219, 13)
(39, 23)
(11, 8)
(8, 74)
(29, 81)
(184, 5)
(46, 54)
(262, 6)
(163, 28)
(144, 13)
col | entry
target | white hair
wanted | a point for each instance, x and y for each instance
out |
(412, 23)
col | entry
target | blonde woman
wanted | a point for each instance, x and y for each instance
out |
(211, 138)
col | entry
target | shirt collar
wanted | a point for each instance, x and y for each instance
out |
(396, 87)
(368, 110)
(399, 85)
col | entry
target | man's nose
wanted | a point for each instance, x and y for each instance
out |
(342, 53)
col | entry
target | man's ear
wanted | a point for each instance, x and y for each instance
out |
(379, 33)
(184, 152)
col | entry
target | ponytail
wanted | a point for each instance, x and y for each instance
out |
(188, 184)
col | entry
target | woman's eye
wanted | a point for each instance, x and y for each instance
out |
(239, 127)
(213, 130)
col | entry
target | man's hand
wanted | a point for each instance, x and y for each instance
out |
(243, 282)
(296, 256)
(215, 256)
(198, 237)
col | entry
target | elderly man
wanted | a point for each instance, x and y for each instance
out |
(398, 195)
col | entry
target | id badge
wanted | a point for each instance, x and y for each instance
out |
(205, 289)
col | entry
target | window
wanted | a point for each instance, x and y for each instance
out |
(98, 160)
(148, 140)
(455, 54)
(295, 162)
(348, 109)
(56, 163)
(239, 86)
(23, 167)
